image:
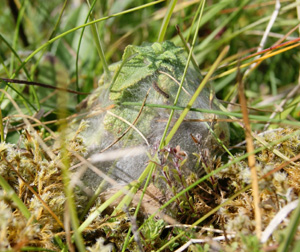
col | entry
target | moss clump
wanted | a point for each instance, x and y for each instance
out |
(29, 166)
(277, 189)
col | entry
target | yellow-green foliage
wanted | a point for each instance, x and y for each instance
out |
(31, 164)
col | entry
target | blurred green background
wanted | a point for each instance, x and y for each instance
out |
(28, 25)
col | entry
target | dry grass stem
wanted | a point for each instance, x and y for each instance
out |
(251, 158)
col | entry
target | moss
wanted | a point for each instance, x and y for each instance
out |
(32, 165)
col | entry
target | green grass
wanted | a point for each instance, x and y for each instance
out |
(70, 46)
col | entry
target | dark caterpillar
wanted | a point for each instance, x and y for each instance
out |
(157, 89)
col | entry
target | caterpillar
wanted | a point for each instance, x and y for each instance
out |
(157, 89)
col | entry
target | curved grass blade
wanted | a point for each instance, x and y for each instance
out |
(285, 246)
(19, 203)
(166, 21)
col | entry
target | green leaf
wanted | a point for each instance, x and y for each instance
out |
(140, 62)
